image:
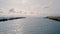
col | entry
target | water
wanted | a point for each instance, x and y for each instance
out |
(30, 25)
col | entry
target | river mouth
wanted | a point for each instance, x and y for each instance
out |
(30, 25)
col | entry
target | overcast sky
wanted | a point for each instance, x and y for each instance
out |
(45, 7)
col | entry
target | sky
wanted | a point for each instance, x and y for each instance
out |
(38, 7)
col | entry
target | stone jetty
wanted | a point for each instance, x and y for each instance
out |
(57, 18)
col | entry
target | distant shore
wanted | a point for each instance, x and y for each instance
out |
(57, 18)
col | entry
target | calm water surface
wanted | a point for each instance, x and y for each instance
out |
(30, 25)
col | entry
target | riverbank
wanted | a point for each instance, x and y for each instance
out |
(57, 18)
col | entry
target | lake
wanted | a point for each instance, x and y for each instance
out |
(30, 25)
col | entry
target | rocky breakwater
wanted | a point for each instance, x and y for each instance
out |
(10, 18)
(57, 18)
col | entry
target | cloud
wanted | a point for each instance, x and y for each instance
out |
(31, 5)
(26, 5)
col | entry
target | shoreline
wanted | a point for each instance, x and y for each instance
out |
(56, 18)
